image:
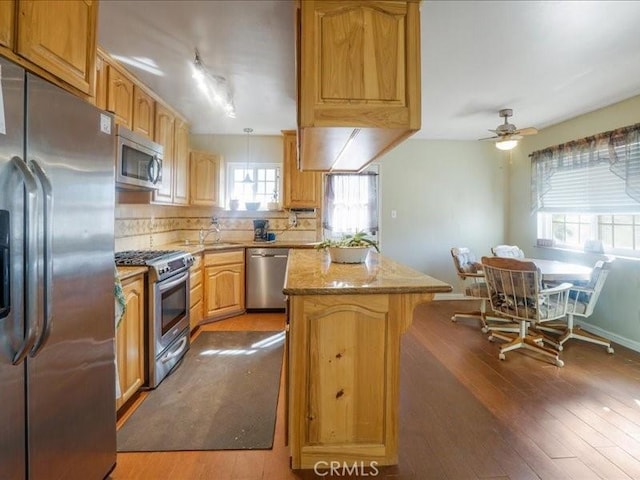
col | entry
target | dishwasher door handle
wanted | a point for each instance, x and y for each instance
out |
(268, 255)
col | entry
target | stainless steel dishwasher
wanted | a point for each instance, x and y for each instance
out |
(265, 278)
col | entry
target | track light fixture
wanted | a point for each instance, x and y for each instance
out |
(215, 87)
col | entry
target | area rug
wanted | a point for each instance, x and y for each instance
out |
(223, 396)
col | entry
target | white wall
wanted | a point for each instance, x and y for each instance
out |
(233, 148)
(618, 311)
(446, 194)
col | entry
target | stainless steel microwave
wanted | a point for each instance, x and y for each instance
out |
(138, 161)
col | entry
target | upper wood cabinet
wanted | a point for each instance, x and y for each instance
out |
(165, 136)
(59, 37)
(301, 189)
(7, 9)
(181, 164)
(120, 96)
(102, 83)
(358, 80)
(144, 112)
(205, 178)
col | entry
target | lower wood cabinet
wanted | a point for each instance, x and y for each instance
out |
(196, 298)
(223, 284)
(130, 340)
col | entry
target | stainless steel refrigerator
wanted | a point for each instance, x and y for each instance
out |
(57, 371)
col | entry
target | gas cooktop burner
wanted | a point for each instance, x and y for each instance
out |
(162, 263)
(143, 257)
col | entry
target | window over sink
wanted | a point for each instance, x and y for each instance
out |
(253, 182)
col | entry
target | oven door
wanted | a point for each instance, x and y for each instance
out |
(170, 315)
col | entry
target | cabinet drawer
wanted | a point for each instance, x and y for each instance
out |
(195, 278)
(224, 258)
(196, 315)
(195, 295)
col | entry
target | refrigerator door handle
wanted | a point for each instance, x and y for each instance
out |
(47, 210)
(5, 259)
(31, 259)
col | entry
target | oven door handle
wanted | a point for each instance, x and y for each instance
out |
(182, 345)
(172, 281)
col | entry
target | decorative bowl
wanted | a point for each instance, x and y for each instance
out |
(273, 206)
(252, 205)
(348, 254)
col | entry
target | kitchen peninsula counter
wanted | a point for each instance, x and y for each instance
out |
(345, 326)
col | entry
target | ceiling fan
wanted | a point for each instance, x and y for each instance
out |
(507, 134)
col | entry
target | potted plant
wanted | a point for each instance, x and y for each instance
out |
(350, 248)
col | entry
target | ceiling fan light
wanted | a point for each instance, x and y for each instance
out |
(506, 144)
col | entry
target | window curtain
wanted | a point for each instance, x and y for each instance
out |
(599, 174)
(351, 202)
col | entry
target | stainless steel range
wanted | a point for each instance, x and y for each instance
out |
(168, 320)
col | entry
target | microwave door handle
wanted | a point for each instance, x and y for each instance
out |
(47, 210)
(154, 164)
(31, 259)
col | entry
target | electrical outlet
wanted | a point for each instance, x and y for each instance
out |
(293, 219)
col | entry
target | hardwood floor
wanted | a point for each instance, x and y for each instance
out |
(464, 414)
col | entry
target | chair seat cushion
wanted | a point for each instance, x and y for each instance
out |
(578, 307)
(478, 290)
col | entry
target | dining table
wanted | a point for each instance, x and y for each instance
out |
(557, 271)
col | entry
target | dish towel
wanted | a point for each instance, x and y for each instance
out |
(121, 306)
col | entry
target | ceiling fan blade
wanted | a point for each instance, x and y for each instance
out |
(489, 138)
(527, 131)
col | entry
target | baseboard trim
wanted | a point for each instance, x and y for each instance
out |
(625, 342)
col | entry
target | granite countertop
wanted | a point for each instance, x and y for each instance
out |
(194, 248)
(311, 272)
(126, 272)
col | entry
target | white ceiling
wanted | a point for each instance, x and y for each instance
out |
(549, 61)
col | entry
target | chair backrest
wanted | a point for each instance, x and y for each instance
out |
(507, 251)
(583, 301)
(465, 261)
(515, 290)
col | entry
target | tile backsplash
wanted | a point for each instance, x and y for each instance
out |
(151, 226)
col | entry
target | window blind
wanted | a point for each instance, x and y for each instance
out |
(596, 175)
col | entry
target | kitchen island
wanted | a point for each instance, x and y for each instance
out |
(345, 325)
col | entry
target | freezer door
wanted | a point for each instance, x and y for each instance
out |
(12, 328)
(71, 376)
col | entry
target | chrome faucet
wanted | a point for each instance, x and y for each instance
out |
(213, 228)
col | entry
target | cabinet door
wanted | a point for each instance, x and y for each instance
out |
(102, 83)
(205, 178)
(60, 37)
(224, 290)
(143, 112)
(181, 164)
(120, 96)
(165, 136)
(7, 8)
(130, 340)
(301, 189)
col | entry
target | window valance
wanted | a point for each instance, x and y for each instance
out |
(597, 174)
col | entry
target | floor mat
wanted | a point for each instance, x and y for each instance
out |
(223, 397)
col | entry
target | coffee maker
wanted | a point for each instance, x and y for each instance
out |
(260, 228)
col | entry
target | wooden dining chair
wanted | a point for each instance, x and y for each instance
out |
(507, 251)
(515, 291)
(582, 301)
(472, 282)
